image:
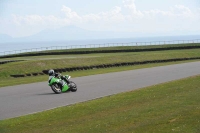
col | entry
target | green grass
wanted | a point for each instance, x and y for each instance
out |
(169, 107)
(31, 66)
(37, 64)
(164, 108)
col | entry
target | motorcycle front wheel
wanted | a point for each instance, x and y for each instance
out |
(55, 88)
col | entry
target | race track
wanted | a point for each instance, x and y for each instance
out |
(31, 98)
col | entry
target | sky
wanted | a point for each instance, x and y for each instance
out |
(20, 18)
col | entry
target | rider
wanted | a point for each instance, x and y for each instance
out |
(52, 74)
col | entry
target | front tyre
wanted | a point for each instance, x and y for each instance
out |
(73, 86)
(55, 88)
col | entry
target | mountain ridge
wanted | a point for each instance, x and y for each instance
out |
(73, 33)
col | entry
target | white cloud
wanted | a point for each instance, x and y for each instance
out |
(176, 17)
(112, 15)
(35, 20)
(181, 11)
(130, 4)
(71, 15)
(115, 14)
(91, 17)
(174, 11)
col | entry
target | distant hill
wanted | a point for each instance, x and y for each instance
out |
(5, 38)
(71, 33)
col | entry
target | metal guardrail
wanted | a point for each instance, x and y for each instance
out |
(99, 46)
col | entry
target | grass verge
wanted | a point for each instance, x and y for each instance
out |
(168, 107)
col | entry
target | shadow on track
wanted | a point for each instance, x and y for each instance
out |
(47, 94)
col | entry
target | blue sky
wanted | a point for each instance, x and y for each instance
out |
(157, 17)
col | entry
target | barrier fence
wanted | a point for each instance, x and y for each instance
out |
(99, 46)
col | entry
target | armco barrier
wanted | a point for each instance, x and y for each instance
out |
(101, 51)
(104, 66)
(105, 45)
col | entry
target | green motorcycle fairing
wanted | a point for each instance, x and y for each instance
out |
(57, 80)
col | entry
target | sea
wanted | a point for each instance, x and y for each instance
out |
(20, 47)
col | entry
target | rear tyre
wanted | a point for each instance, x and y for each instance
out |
(55, 88)
(73, 86)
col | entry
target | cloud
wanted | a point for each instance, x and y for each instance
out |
(176, 17)
(174, 11)
(113, 14)
(181, 11)
(72, 15)
(130, 4)
(34, 20)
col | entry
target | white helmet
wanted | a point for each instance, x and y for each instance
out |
(51, 72)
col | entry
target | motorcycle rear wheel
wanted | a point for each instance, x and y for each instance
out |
(73, 87)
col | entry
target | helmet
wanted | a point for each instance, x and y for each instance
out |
(51, 72)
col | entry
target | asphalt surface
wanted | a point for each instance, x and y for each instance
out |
(31, 98)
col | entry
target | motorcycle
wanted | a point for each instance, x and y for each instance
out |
(59, 85)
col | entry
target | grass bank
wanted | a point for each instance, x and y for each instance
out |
(168, 107)
(37, 64)
(31, 66)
